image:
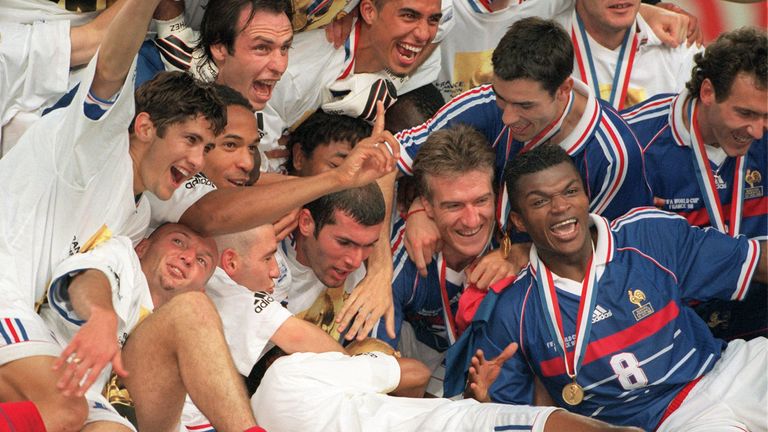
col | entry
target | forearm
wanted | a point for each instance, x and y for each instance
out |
(91, 296)
(231, 210)
(381, 256)
(85, 39)
(297, 335)
(121, 43)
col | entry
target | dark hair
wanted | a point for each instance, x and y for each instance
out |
(321, 129)
(545, 155)
(221, 18)
(741, 50)
(413, 108)
(230, 96)
(175, 97)
(449, 152)
(365, 205)
(535, 49)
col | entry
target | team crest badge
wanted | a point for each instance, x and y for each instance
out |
(637, 298)
(755, 189)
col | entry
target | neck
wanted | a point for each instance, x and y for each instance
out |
(705, 130)
(497, 5)
(608, 37)
(573, 117)
(572, 267)
(365, 55)
(136, 157)
(455, 260)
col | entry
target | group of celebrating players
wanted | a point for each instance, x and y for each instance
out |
(381, 215)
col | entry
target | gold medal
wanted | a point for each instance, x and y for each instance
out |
(573, 394)
(506, 246)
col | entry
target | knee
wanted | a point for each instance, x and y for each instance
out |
(192, 308)
(63, 414)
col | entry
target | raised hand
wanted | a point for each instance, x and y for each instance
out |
(482, 373)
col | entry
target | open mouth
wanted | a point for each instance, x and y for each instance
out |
(620, 6)
(263, 88)
(518, 129)
(408, 52)
(566, 229)
(742, 139)
(179, 175)
(469, 232)
(175, 272)
(237, 182)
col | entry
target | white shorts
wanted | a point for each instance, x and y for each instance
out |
(733, 396)
(24, 336)
(336, 392)
(99, 410)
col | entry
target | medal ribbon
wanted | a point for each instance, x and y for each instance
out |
(586, 65)
(350, 50)
(706, 180)
(450, 322)
(502, 205)
(554, 319)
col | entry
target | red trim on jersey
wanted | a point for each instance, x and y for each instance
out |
(752, 207)
(12, 329)
(616, 342)
(678, 400)
(199, 427)
(20, 417)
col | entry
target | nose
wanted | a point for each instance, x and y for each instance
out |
(274, 270)
(196, 159)
(354, 258)
(421, 32)
(559, 203)
(470, 217)
(279, 62)
(246, 163)
(509, 115)
(757, 129)
(187, 256)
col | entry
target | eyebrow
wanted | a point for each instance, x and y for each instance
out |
(233, 136)
(348, 240)
(541, 193)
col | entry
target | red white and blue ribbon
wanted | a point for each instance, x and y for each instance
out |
(350, 50)
(553, 315)
(586, 65)
(706, 180)
(451, 329)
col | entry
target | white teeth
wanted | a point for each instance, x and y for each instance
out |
(268, 83)
(742, 139)
(183, 172)
(469, 233)
(564, 223)
(410, 47)
(176, 271)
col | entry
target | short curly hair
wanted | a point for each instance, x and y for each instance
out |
(741, 50)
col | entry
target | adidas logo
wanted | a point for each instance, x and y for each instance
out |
(600, 313)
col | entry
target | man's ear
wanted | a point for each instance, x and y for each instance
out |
(517, 221)
(427, 206)
(298, 156)
(141, 248)
(219, 53)
(707, 94)
(306, 223)
(229, 261)
(368, 11)
(564, 90)
(143, 127)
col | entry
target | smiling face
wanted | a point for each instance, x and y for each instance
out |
(526, 107)
(258, 58)
(164, 163)
(400, 31)
(608, 15)
(734, 123)
(230, 160)
(462, 207)
(552, 207)
(175, 260)
(339, 248)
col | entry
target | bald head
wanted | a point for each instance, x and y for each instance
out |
(248, 257)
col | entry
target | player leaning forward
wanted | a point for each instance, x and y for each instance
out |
(614, 296)
(77, 175)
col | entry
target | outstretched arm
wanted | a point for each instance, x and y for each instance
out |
(120, 45)
(225, 211)
(297, 335)
(95, 344)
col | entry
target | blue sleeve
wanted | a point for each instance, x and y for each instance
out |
(475, 107)
(514, 384)
(706, 263)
